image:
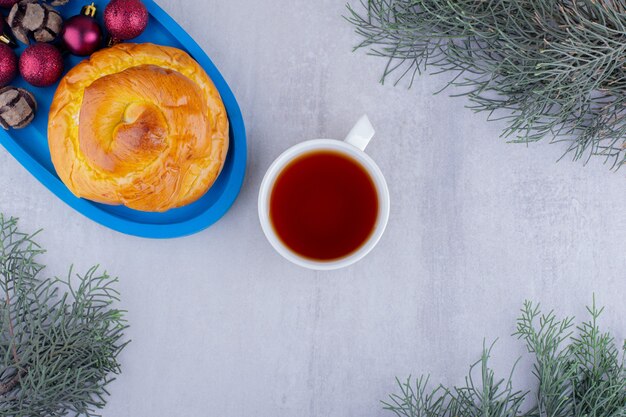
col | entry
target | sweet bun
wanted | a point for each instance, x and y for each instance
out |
(140, 125)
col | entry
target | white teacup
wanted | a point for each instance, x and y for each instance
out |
(353, 147)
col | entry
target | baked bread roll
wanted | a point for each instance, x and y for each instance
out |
(140, 125)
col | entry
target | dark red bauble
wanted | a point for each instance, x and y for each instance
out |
(8, 65)
(7, 3)
(81, 35)
(41, 64)
(125, 19)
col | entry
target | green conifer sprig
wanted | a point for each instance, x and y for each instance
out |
(580, 372)
(60, 339)
(550, 68)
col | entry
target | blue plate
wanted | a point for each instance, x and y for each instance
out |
(30, 146)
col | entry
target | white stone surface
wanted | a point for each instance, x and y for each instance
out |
(222, 326)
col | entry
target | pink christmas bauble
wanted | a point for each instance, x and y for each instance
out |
(41, 64)
(81, 35)
(8, 65)
(125, 19)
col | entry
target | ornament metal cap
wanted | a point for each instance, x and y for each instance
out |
(111, 41)
(8, 40)
(5, 37)
(89, 10)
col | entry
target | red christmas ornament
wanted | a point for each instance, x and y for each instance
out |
(81, 34)
(125, 19)
(7, 3)
(8, 65)
(41, 64)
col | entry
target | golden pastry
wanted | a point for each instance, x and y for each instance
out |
(140, 125)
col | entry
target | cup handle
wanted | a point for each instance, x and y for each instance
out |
(361, 133)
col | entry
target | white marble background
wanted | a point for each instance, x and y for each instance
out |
(222, 326)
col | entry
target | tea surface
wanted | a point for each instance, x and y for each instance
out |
(324, 205)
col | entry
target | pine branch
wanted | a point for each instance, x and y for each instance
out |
(550, 68)
(59, 349)
(489, 397)
(580, 373)
(8, 386)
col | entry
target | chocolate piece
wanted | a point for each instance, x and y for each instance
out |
(33, 19)
(17, 107)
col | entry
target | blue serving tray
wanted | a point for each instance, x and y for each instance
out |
(30, 145)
